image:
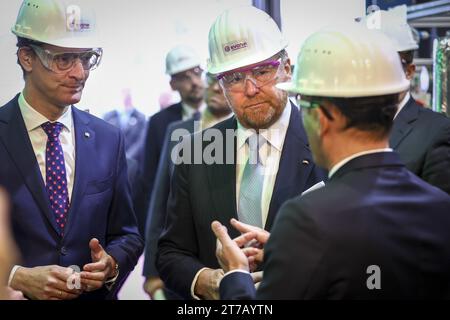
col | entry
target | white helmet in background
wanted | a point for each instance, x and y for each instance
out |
(63, 23)
(393, 24)
(242, 36)
(349, 61)
(181, 58)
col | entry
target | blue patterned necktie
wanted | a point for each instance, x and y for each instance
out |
(252, 181)
(55, 177)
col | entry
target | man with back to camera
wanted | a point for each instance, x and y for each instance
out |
(64, 169)
(375, 230)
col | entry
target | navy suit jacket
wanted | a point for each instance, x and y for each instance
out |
(372, 212)
(201, 193)
(422, 138)
(156, 217)
(100, 205)
(154, 140)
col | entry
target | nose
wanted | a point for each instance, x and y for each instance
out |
(78, 71)
(250, 87)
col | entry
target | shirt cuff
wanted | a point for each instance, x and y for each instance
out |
(12, 273)
(194, 283)
(236, 270)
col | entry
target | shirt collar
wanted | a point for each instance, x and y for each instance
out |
(274, 134)
(402, 103)
(189, 111)
(34, 119)
(341, 163)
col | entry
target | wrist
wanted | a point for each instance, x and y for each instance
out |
(17, 279)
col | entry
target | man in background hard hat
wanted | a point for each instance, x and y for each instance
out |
(183, 65)
(64, 169)
(419, 135)
(269, 163)
(360, 236)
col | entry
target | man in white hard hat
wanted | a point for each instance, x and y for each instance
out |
(183, 65)
(419, 135)
(217, 110)
(360, 236)
(268, 160)
(64, 169)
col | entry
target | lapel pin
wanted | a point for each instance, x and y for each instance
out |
(306, 162)
(87, 134)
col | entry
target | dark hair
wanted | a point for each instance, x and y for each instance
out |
(24, 42)
(373, 114)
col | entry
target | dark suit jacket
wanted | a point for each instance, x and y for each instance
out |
(100, 205)
(201, 193)
(422, 138)
(373, 211)
(156, 216)
(134, 132)
(154, 140)
(137, 194)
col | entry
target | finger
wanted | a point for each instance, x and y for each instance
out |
(91, 285)
(59, 294)
(245, 238)
(257, 276)
(250, 251)
(98, 276)
(96, 266)
(96, 249)
(242, 227)
(221, 233)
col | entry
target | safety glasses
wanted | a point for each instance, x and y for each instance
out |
(65, 61)
(260, 75)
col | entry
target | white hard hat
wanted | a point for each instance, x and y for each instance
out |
(242, 36)
(393, 23)
(181, 58)
(348, 61)
(63, 23)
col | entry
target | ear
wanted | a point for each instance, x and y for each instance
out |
(410, 71)
(26, 58)
(173, 85)
(287, 68)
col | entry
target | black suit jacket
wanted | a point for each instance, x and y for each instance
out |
(201, 193)
(100, 204)
(373, 211)
(422, 138)
(156, 216)
(154, 140)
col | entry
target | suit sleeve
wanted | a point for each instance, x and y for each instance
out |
(156, 217)
(177, 253)
(293, 255)
(123, 241)
(237, 286)
(436, 170)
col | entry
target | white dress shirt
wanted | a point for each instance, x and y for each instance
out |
(270, 155)
(402, 103)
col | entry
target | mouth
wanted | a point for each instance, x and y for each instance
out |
(75, 88)
(255, 105)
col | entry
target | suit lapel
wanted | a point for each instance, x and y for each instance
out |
(403, 123)
(17, 142)
(294, 168)
(222, 180)
(85, 154)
